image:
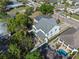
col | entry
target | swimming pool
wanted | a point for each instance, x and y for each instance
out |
(62, 52)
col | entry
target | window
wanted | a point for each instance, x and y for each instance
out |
(47, 34)
(51, 32)
(55, 29)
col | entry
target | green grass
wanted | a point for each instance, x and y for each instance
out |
(15, 10)
(3, 20)
(77, 57)
(2, 15)
(73, 15)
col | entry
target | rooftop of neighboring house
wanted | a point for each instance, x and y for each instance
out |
(13, 0)
(3, 29)
(75, 0)
(50, 1)
(74, 7)
(41, 35)
(45, 23)
(70, 37)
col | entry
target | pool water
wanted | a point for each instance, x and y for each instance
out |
(62, 52)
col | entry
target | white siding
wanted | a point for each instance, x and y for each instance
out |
(53, 31)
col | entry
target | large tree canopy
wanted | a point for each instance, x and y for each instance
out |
(3, 4)
(19, 22)
(46, 8)
(19, 44)
(33, 55)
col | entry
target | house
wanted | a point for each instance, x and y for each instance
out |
(45, 27)
(4, 34)
(3, 29)
(14, 5)
(73, 9)
(13, 0)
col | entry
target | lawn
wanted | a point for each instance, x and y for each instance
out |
(73, 15)
(77, 57)
(19, 9)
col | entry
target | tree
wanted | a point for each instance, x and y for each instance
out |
(20, 42)
(46, 8)
(19, 22)
(12, 25)
(13, 52)
(24, 40)
(19, 45)
(3, 4)
(33, 55)
(29, 10)
(3, 56)
(24, 21)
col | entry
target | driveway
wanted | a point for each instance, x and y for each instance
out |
(71, 36)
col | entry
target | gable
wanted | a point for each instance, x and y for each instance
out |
(45, 24)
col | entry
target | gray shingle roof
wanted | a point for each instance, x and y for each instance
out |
(3, 29)
(41, 35)
(38, 18)
(45, 24)
(52, 1)
(75, 0)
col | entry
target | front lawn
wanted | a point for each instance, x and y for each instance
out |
(75, 16)
(77, 57)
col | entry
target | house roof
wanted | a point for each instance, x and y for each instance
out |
(45, 23)
(41, 35)
(14, 5)
(3, 29)
(51, 1)
(75, 0)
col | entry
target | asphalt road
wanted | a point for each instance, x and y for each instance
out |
(71, 36)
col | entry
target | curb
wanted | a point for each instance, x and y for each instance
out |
(73, 18)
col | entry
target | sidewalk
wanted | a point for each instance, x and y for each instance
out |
(73, 18)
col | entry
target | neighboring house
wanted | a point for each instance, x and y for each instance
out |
(3, 31)
(33, 4)
(76, 2)
(13, 0)
(14, 5)
(45, 27)
(73, 9)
